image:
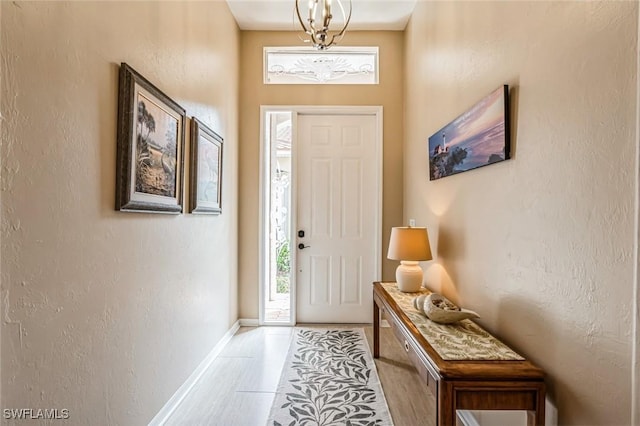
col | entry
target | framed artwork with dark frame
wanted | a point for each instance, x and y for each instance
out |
(150, 160)
(206, 169)
(477, 138)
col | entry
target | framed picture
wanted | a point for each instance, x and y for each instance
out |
(206, 169)
(479, 137)
(151, 128)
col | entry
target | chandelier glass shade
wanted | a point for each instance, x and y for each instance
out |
(319, 15)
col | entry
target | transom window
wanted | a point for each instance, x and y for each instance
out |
(339, 65)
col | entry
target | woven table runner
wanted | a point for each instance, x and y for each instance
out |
(461, 341)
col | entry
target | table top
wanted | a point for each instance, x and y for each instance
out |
(457, 350)
(462, 340)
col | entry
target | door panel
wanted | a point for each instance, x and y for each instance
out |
(337, 176)
(320, 280)
(351, 270)
(321, 197)
(351, 190)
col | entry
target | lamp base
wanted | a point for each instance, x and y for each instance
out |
(409, 276)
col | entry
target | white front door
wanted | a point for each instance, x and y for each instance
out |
(338, 193)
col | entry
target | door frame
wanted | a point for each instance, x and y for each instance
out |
(265, 150)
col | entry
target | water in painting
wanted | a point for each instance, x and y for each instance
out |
(477, 138)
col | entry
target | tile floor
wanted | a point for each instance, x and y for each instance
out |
(239, 387)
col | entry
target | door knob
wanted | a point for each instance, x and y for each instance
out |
(301, 246)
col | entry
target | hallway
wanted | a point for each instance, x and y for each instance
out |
(239, 387)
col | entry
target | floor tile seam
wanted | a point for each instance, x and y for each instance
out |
(256, 392)
(236, 357)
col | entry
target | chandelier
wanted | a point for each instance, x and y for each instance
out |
(316, 26)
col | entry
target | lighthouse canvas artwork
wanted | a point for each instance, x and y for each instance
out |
(477, 138)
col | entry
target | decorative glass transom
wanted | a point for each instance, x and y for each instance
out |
(339, 65)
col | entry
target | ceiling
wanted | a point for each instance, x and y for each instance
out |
(272, 15)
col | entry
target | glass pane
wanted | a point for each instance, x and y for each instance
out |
(278, 295)
(340, 65)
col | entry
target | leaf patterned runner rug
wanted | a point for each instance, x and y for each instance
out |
(329, 379)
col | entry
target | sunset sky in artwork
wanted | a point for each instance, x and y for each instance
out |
(480, 130)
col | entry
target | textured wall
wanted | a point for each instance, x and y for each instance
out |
(635, 392)
(2, 309)
(107, 313)
(541, 246)
(253, 94)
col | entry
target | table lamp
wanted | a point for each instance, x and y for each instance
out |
(409, 245)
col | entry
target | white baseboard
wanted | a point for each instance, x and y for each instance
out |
(173, 403)
(249, 322)
(467, 418)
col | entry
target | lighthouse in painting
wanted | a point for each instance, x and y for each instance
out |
(441, 149)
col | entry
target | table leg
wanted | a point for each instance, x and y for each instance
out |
(446, 410)
(376, 330)
(536, 417)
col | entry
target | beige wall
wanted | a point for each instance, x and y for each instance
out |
(541, 245)
(635, 393)
(2, 309)
(253, 94)
(107, 313)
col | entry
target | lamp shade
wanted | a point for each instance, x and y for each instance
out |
(408, 243)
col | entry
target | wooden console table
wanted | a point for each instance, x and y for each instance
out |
(468, 376)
